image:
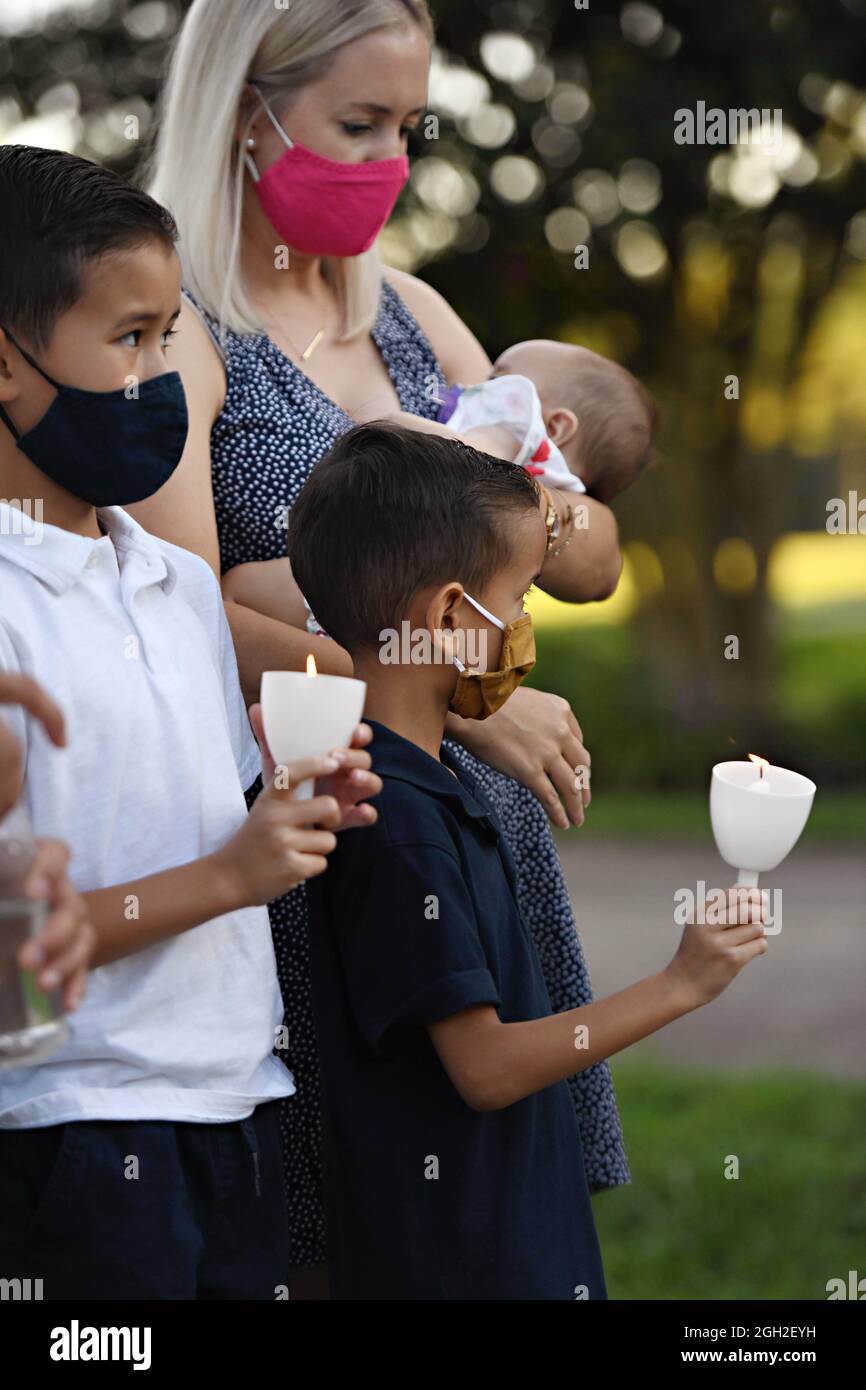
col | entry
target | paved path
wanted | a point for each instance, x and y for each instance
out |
(802, 1004)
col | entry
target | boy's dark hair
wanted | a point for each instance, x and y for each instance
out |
(391, 510)
(59, 212)
(617, 423)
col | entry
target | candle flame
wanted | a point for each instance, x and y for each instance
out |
(762, 762)
(312, 669)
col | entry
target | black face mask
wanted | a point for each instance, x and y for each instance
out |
(103, 446)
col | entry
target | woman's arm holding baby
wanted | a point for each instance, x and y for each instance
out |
(269, 587)
(266, 643)
(584, 564)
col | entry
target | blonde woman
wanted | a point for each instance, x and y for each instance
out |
(281, 150)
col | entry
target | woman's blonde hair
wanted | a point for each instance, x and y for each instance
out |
(197, 168)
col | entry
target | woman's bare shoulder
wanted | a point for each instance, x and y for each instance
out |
(461, 356)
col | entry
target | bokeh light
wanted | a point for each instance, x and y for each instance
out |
(510, 57)
(641, 251)
(735, 566)
(516, 179)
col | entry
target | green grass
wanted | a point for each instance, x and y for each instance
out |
(794, 1218)
(837, 817)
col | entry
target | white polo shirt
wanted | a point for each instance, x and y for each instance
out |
(129, 635)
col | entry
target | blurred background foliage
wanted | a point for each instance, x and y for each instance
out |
(551, 128)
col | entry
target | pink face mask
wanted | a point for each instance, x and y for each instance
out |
(323, 207)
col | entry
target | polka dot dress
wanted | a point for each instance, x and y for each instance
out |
(274, 426)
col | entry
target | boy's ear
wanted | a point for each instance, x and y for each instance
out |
(441, 620)
(442, 607)
(561, 426)
(8, 385)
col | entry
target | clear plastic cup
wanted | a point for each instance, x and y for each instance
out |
(32, 1025)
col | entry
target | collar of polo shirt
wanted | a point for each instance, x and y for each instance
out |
(60, 558)
(395, 756)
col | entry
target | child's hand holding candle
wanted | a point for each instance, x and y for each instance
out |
(292, 827)
(315, 711)
(712, 953)
(349, 783)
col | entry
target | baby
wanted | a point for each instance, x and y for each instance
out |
(578, 421)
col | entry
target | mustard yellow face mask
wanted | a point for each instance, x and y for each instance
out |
(478, 694)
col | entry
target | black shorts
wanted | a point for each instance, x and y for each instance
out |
(149, 1209)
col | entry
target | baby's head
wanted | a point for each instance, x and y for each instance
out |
(600, 416)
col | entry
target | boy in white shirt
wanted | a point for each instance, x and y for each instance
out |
(142, 1160)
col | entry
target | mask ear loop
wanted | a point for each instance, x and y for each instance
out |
(4, 415)
(461, 667)
(485, 612)
(289, 143)
(6, 418)
(449, 653)
(10, 424)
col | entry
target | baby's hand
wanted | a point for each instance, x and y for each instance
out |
(710, 954)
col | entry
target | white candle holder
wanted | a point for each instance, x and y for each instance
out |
(305, 716)
(757, 820)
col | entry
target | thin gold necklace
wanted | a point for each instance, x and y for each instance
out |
(311, 347)
(308, 351)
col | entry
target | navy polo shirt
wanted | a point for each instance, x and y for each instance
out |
(415, 919)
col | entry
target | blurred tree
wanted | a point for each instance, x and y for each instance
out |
(705, 270)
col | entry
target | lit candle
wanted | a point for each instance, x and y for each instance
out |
(762, 783)
(757, 820)
(306, 715)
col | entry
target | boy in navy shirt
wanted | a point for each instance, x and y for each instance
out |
(454, 1167)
